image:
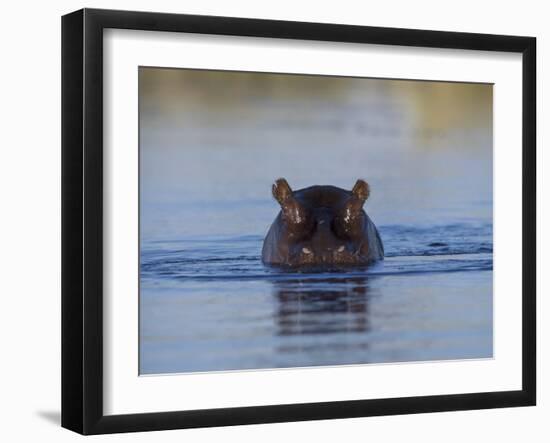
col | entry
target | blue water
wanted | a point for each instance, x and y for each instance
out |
(448, 248)
(209, 151)
(209, 304)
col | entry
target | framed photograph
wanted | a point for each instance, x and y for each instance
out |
(269, 221)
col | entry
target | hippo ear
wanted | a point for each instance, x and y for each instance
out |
(349, 219)
(361, 190)
(294, 213)
(281, 190)
(359, 194)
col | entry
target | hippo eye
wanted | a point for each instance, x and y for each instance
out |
(341, 249)
(306, 250)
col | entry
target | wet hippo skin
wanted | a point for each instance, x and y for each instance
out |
(321, 226)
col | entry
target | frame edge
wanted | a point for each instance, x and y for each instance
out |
(72, 222)
(529, 220)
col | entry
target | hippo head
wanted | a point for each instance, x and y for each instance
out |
(321, 225)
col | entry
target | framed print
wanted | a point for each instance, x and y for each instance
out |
(268, 221)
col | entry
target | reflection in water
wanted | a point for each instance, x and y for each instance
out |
(327, 306)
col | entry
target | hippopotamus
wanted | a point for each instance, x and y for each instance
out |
(321, 226)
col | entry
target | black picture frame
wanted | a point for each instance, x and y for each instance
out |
(82, 218)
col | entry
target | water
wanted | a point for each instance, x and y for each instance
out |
(208, 155)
